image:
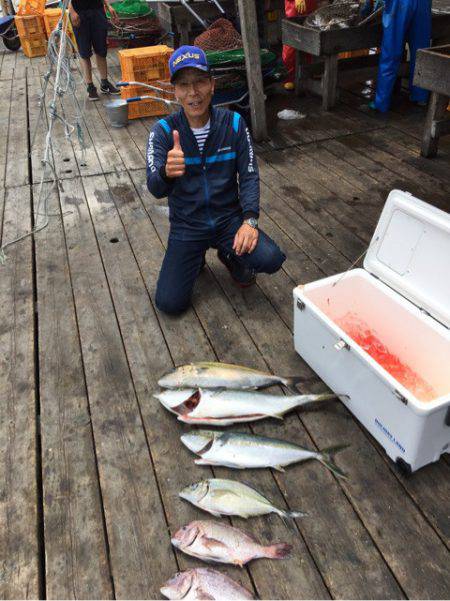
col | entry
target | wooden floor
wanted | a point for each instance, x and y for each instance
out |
(90, 464)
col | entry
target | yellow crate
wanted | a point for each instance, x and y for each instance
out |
(145, 64)
(31, 7)
(29, 25)
(51, 20)
(143, 108)
(34, 46)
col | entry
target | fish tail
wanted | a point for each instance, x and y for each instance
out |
(288, 519)
(278, 550)
(326, 457)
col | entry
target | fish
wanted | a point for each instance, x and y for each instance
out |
(222, 375)
(226, 407)
(238, 450)
(203, 583)
(214, 541)
(220, 497)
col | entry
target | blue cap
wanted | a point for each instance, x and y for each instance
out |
(187, 56)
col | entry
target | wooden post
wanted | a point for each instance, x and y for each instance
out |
(435, 117)
(249, 31)
(329, 82)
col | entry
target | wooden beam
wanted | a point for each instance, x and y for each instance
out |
(249, 30)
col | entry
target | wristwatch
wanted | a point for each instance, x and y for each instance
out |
(252, 222)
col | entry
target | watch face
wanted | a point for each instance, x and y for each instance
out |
(252, 222)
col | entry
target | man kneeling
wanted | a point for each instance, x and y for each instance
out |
(202, 158)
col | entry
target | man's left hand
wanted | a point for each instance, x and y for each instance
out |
(245, 240)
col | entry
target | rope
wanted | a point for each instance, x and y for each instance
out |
(60, 77)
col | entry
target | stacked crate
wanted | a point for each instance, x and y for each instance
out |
(147, 65)
(31, 30)
(51, 20)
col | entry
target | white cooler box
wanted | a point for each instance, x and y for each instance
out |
(398, 309)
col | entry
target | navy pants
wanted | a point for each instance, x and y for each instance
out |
(184, 260)
(403, 21)
(92, 32)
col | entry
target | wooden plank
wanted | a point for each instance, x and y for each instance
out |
(224, 335)
(17, 156)
(21, 66)
(38, 124)
(76, 558)
(129, 153)
(250, 42)
(107, 156)
(134, 516)
(8, 64)
(323, 189)
(20, 530)
(147, 355)
(4, 125)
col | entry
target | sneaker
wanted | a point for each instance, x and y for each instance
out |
(92, 92)
(243, 276)
(107, 88)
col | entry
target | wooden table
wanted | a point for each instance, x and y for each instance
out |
(322, 75)
(433, 73)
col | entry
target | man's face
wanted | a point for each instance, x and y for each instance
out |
(194, 91)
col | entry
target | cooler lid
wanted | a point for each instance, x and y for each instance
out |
(410, 252)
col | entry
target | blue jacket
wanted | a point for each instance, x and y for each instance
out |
(218, 184)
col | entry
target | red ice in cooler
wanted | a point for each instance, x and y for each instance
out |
(366, 338)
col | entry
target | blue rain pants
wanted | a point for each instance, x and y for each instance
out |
(403, 21)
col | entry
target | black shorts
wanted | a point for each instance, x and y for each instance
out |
(92, 32)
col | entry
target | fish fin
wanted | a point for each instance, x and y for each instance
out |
(326, 457)
(278, 550)
(279, 468)
(201, 461)
(288, 519)
(200, 594)
(213, 543)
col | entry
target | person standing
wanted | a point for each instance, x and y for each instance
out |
(202, 159)
(90, 27)
(403, 21)
(294, 8)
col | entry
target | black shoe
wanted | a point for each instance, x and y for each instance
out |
(107, 88)
(243, 276)
(92, 92)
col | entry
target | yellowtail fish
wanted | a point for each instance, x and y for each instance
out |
(239, 451)
(225, 407)
(222, 375)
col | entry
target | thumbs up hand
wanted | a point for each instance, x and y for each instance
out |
(175, 166)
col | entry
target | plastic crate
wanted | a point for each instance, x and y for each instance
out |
(29, 25)
(34, 46)
(51, 20)
(143, 108)
(31, 7)
(145, 64)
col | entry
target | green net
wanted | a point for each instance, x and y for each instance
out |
(132, 9)
(217, 58)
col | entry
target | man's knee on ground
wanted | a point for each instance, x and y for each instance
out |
(272, 260)
(171, 305)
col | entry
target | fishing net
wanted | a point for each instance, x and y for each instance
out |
(220, 35)
(223, 58)
(132, 8)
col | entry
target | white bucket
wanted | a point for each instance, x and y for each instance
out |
(117, 111)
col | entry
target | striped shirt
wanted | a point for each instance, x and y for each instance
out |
(201, 133)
